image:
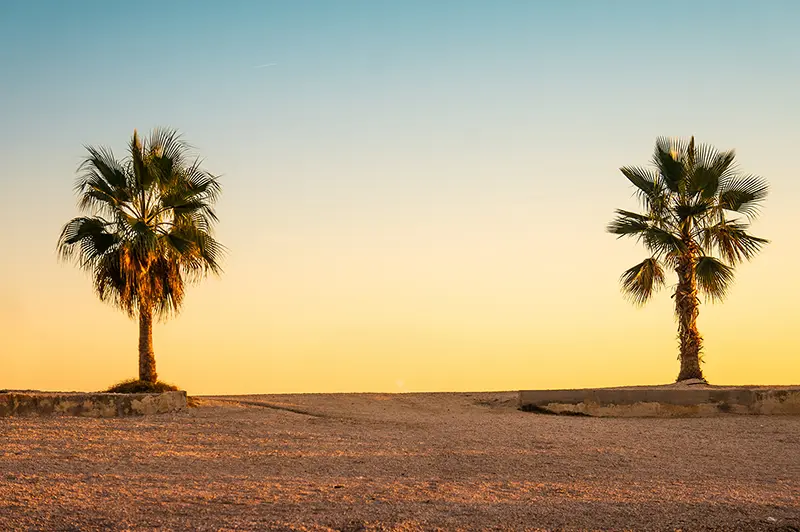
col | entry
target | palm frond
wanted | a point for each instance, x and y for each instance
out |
(713, 277)
(85, 240)
(661, 241)
(141, 172)
(644, 179)
(167, 286)
(167, 157)
(732, 241)
(206, 256)
(710, 170)
(685, 211)
(628, 223)
(667, 158)
(640, 282)
(704, 181)
(690, 158)
(743, 194)
(114, 280)
(724, 164)
(168, 143)
(710, 157)
(102, 182)
(101, 161)
(200, 182)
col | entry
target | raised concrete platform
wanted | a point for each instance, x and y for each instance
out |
(32, 403)
(671, 400)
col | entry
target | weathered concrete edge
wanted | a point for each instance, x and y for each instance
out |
(101, 405)
(664, 402)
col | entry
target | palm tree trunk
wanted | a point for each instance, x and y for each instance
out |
(147, 357)
(687, 307)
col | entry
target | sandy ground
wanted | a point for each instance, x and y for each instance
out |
(397, 462)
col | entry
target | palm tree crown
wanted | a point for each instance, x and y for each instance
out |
(149, 225)
(697, 209)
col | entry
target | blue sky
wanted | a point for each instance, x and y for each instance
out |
(399, 159)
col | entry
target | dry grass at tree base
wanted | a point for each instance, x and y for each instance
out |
(139, 386)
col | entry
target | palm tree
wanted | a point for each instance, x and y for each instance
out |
(697, 208)
(147, 230)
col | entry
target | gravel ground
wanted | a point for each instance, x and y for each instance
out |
(396, 462)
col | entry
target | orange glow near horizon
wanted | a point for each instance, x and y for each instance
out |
(331, 315)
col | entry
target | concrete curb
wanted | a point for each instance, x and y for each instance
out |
(665, 401)
(102, 405)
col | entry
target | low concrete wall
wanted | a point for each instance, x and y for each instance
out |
(665, 401)
(90, 404)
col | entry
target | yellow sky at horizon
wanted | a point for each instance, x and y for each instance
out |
(337, 313)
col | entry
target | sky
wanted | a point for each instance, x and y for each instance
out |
(415, 193)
